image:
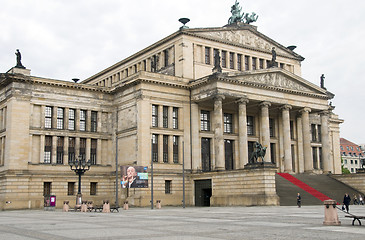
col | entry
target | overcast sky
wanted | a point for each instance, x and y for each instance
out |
(65, 39)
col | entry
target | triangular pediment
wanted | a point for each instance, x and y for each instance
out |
(247, 37)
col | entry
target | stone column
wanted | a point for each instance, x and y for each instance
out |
(54, 150)
(66, 117)
(88, 120)
(327, 163)
(170, 149)
(160, 116)
(288, 167)
(41, 149)
(88, 148)
(242, 133)
(300, 145)
(54, 117)
(308, 161)
(265, 129)
(65, 150)
(218, 132)
(195, 139)
(160, 148)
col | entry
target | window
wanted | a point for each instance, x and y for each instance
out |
(224, 59)
(352, 161)
(239, 62)
(205, 120)
(71, 149)
(48, 117)
(165, 146)
(166, 57)
(205, 155)
(48, 149)
(93, 147)
(291, 130)
(247, 58)
(342, 148)
(228, 154)
(231, 60)
(47, 188)
(315, 157)
(272, 127)
(70, 188)
(281, 65)
(94, 121)
(175, 118)
(273, 153)
(207, 55)
(82, 120)
(227, 122)
(352, 170)
(356, 162)
(250, 125)
(261, 62)
(347, 147)
(82, 148)
(60, 115)
(345, 161)
(93, 187)
(254, 67)
(154, 116)
(165, 116)
(59, 156)
(154, 148)
(352, 148)
(168, 186)
(71, 119)
(314, 133)
(175, 149)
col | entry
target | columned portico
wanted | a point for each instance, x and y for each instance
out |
(308, 162)
(218, 132)
(286, 138)
(242, 132)
(265, 129)
(327, 164)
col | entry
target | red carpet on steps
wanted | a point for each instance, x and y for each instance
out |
(304, 186)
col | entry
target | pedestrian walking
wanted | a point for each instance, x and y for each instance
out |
(299, 200)
(346, 201)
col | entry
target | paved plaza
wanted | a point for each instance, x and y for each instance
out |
(171, 223)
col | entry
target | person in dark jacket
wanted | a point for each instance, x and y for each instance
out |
(299, 200)
(346, 201)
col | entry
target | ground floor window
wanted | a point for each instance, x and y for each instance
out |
(228, 152)
(93, 187)
(47, 188)
(168, 186)
(71, 188)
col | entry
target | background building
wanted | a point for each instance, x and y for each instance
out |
(164, 104)
(351, 154)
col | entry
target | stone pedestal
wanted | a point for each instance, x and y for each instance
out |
(23, 71)
(330, 213)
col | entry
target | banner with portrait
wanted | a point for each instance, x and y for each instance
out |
(134, 177)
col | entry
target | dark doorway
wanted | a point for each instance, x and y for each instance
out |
(203, 192)
(206, 163)
(228, 151)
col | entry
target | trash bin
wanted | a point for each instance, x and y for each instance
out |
(52, 202)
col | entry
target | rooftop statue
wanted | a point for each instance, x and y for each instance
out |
(18, 59)
(236, 14)
(251, 18)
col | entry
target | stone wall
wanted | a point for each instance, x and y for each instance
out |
(356, 181)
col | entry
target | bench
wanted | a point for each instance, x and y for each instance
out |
(114, 208)
(355, 218)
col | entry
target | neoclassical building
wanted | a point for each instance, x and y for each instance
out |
(165, 106)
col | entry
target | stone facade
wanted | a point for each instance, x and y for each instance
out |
(164, 103)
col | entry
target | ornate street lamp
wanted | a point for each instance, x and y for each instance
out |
(79, 166)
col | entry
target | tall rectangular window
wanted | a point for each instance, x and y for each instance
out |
(82, 120)
(272, 152)
(167, 186)
(47, 189)
(47, 149)
(254, 67)
(59, 156)
(94, 121)
(154, 116)
(261, 62)
(93, 188)
(247, 59)
(82, 148)
(71, 149)
(231, 60)
(165, 116)
(239, 62)
(215, 52)
(272, 127)
(315, 157)
(250, 125)
(314, 132)
(205, 120)
(228, 123)
(166, 57)
(165, 146)
(71, 119)
(175, 154)
(154, 147)
(224, 59)
(207, 55)
(48, 117)
(175, 118)
(291, 130)
(93, 147)
(70, 188)
(60, 115)
(205, 155)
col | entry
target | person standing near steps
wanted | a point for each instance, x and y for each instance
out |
(299, 200)
(346, 201)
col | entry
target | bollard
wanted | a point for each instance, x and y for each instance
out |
(106, 206)
(125, 206)
(330, 213)
(158, 204)
(66, 207)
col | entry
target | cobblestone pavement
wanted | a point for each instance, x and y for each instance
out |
(177, 223)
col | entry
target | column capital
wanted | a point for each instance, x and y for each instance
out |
(324, 113)
(306, 109)
(286, 107)
(218, 97)
(242, 100)
(265, 104)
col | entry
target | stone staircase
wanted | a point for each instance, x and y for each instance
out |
(330, 187)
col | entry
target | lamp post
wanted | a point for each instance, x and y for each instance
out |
(79, 166)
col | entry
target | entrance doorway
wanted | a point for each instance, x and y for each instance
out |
(203, 192)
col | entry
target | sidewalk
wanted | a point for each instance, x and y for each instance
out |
(171, 223)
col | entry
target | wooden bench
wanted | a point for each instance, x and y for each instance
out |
(355, 218)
